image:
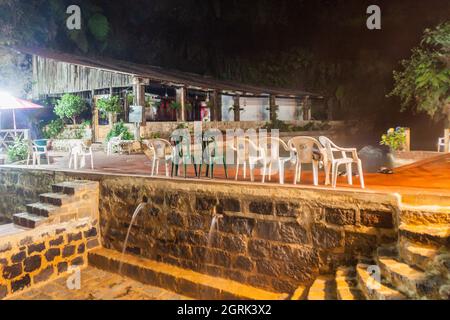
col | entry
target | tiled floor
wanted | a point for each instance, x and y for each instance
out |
(97, 285)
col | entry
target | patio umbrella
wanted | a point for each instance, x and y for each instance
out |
(8, 102)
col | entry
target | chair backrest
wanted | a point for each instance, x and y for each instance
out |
(304, 148)
(253, 150)
(329, 146)
(273, 147)
(161, 147)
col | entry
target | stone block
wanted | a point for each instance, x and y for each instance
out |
(18, 257)
(324, 237)
(56, 242)
(243, 262)
(379, 219)
(72, 237)
(205, 203)
(12, 271)
(340, 216)
(44, 275)
(259, 248)
(62, 267)
(21, 283)
(32, 263)
(261, 207)
(52, 253)
(286, 209)
(68, 251)
(38, 247)
(229, 205)
(360, 243)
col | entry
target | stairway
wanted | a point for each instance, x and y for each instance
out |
(68, 201)
(416, 267)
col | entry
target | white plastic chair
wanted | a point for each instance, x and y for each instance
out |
(249, 153)
(35, 152)
(75, 149)
(86, 151)
(441, 144)
(113, 144)
(273, 151)
(79, 150)
(303, 148)
(162, 150)
(332, 163)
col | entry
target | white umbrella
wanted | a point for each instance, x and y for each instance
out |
(8, 102)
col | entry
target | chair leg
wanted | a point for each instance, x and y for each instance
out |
(237, 169)
(167, 168)
(92, 161)
(315, 167)
(361, 176)
(157, 166)
(299, 177)
(281, 171)
(264, 172)
(327, 169)
(225, 168)
(334, 169)
(349, 174)
(245, 170)
(270, 171)
(295, 173)
(251, 166)
(153, 166)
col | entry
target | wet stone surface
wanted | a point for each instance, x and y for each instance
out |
(96, 284)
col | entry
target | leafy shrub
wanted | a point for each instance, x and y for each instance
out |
(70, 107)
(18, 150)
(109, 105)
(117, 129)
(394, 138)
(53, 129)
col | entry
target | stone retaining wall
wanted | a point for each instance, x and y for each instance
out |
(273, 237)
(39, 255)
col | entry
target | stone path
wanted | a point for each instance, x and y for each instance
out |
(97, 285)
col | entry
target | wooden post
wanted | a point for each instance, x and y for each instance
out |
(181, 99)
(95, 128)
(306, 108)
(272, 108)
(408, 139)
(216, 106)
(446, 140)
(237, 108)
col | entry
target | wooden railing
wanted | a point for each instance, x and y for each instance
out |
(7, 136)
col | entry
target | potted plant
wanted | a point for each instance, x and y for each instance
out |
(395, 139)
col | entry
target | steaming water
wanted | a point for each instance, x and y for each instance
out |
(214, 225)
(135, 214)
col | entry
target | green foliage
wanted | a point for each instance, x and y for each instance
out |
(70, 107)
(110, 104)
(175, 105)
(286, 127)
(18, 151)
(117, 129)
(53, 129)
(394, 138)
(99, 27)
(424, 82)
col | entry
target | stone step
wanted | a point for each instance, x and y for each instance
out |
(373, 289)
(323, 288)
(43, 209)
(346, 285)
(437, 235)
(56, 199)
(412, 282)
(424, 215)
(187, 282)
(28, 220)
(74, 187)
(417, 255)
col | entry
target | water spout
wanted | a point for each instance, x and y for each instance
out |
(133, 218)
(214, 225)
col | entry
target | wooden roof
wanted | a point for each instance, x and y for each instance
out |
(162, 75)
